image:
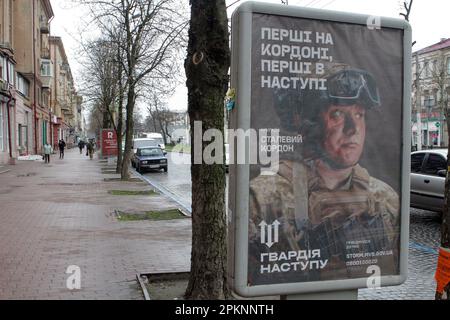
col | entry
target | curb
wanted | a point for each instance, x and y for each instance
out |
(185, 209)
(143, 287)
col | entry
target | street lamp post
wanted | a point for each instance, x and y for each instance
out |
(427, 108)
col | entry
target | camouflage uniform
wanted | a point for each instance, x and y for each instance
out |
(361, 208)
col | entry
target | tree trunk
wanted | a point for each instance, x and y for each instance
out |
(120, 123)
(445, 224)
(125, 175)
(119, 133)
(206, 67)
(106, 122)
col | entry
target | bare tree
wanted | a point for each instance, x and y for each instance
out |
(95, 120)
(161, 117)
(152, 32)
(441, 82)
(206, 65)
(407, 7)
(103, 84)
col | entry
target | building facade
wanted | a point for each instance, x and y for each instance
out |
(38, 102)
(31, 49)
(430, 95)
(7, 82)
(65, 101)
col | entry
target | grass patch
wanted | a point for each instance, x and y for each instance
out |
(170, 214)
(128, 180)
(185, 148)
(132, 192)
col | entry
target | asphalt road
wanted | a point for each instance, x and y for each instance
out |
(176, 183)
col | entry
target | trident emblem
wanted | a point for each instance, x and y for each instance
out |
(272, 233)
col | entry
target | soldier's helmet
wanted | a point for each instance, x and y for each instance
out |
(344, 86)
(351, 86)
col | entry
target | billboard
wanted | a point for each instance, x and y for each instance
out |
(109, 143)
(327, 96)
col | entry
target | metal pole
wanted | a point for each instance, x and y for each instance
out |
(331, 295)
(418, 105)
(428, 124)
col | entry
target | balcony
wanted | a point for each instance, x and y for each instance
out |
(46, 82)
(4, 87)
(45, 27)
(6, 46)
(45, 53)
(64, 106)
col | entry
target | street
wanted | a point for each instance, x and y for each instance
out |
(176, 183)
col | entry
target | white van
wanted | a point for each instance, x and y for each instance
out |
(143, 142)
(158, 137)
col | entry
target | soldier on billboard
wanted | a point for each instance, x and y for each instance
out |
(326, 200)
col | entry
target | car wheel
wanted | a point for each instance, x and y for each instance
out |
(165, 169)
(138, 168)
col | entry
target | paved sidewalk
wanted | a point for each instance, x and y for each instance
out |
(60, 214)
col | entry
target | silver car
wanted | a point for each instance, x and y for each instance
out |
(428, 171)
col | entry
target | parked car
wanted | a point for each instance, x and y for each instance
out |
(149, 158)
(428, 171)
(227, 157)
(157, 137)
(142, 143)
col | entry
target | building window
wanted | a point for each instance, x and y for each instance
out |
(426, 68)
(11, 77)
(45, 99)
(448, 65)
(2, 68)
(1, 128)
(46, 68)
(23, 86)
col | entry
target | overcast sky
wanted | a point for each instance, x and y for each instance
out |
(429, 20)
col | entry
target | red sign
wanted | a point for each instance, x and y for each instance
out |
(109, 142)
(442, 275)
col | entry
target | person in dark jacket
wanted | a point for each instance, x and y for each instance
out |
(81, 145)
(61, 146)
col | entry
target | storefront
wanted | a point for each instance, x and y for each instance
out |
(432, 134)
(24, 138)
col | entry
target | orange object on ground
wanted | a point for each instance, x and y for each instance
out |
(442, 275)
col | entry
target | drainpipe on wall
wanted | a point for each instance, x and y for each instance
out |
(10, 98)
(34, 81)
(11, 159)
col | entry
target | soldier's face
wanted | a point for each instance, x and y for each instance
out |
(345, 131)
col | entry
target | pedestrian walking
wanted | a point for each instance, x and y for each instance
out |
(47, 151)
(81, 146)
(61, 146)
(90, 149)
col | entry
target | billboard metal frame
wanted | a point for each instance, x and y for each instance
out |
(238, 209)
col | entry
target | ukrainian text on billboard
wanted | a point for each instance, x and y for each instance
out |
(329, 97)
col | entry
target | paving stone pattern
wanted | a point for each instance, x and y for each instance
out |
(57, 215)
(423, 253)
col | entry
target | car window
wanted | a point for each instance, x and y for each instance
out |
(151, 152)
(416, 162)
(435, 163)
(144, 143)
